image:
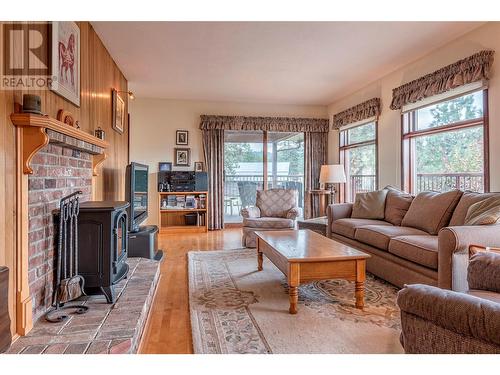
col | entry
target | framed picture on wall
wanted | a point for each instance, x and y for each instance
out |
(165, 166)
(199, 166)
(66, 60)
(182, 137)
(118, 112)
(182, 157)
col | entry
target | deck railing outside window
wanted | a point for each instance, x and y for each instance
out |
(449, 181)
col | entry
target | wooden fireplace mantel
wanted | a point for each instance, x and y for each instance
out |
(34, 137)
(33, 132)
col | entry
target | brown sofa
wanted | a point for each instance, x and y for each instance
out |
(430, 246)
(437, 321)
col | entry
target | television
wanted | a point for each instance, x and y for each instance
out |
(136, 192)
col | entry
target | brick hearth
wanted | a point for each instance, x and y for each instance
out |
(57, 172)
(106, 328)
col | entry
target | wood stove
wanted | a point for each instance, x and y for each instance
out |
(103, 245)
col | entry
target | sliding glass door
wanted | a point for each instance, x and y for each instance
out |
(243, 171)
(246, 170)
(285, 162)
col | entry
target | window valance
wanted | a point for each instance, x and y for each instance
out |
(471, 69)
(278, 124)
(362, 111)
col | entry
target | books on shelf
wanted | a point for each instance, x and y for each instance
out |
(184, 202)
(190, 201)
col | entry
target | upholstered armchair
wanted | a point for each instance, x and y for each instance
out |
(436, 321)
(275, 209)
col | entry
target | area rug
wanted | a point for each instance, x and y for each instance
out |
(236, 309)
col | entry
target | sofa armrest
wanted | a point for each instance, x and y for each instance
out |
(251, 212)
(453, 255)
(458, 312)
(293, 213)
(337, 211)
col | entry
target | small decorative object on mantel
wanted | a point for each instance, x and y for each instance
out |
(199, 166)
(32, 104)
(182, 157)
(66, 117)
(99, 133)
(182, 137)
(118, 112)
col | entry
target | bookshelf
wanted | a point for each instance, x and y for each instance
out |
(173, 206)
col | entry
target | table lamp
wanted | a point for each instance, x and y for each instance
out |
(332, 174)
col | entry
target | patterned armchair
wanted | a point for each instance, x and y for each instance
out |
(275, 209)
(438, 321)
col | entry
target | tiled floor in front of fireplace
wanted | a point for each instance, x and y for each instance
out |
(105, 328)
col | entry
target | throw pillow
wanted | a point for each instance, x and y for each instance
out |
(397, 204)
(485, 212)
(431, 211)
(369, 205)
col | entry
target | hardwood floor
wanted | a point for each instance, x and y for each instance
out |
(169, 329)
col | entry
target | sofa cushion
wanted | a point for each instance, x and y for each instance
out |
(468, 199)
(276, 202)
(269, 222)
(347, 227)
(431, 211)
(369, 205)
(380, 235)
(485, 212)
(421, 249)
(397, 204)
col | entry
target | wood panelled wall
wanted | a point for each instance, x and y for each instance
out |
(99, 75)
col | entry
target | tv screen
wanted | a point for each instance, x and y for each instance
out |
(137, 194)
(140, 191)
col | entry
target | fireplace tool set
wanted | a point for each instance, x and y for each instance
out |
(69, 284)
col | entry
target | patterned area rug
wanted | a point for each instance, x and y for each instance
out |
(236, 309)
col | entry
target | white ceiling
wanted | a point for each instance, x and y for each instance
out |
(267, 62)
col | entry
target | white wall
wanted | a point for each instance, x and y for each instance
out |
(153, 123)
(485, 37)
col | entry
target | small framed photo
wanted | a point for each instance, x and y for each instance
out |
(199, 166)
(165, 166)
(118, 112)
(182, 157)
(182, 137)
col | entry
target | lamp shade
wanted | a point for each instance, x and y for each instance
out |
(332, 174)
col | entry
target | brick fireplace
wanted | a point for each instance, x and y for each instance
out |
(53, 160)
(57, 172)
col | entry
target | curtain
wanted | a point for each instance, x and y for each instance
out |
(471, 69)
(361, 111)
(275, 124)
(213, 149)
(315, 150)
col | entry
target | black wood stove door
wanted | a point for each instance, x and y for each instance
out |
(121, 240)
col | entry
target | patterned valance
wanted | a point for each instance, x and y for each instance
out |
(471, 69)
(277, 124)
(362, 111)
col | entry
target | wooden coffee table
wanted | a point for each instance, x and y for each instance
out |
(304, 256)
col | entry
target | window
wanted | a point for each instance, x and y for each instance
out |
(358, 153)
(445, 145)
(245, 153)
